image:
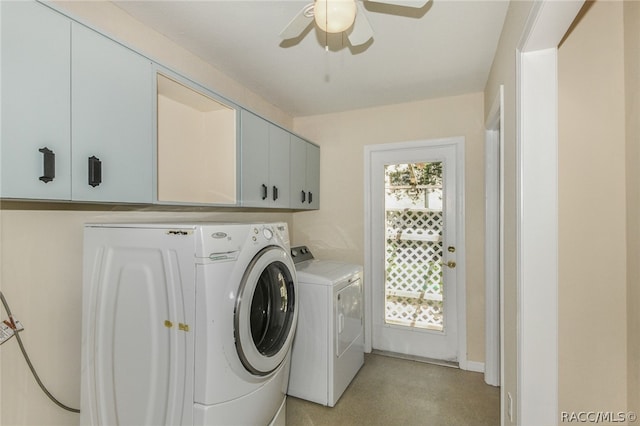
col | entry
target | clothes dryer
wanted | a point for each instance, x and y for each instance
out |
(186, 324)
(328, 348)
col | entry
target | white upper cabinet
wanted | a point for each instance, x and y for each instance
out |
(265, 163)
(254, 152)
(313, 176)
(111, 131)
(76, 111)
(305, 174)
(87, 119)
(279, 147)
(197, 144)
(35, 137)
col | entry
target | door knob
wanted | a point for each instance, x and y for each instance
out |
(451, 264)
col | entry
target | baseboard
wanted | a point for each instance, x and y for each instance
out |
(476, 366)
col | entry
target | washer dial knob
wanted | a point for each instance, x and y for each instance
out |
(268, 233)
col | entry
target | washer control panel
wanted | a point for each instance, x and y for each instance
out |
(224, 241)
(300, 254)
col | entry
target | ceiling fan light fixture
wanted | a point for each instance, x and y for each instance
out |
(335, 16)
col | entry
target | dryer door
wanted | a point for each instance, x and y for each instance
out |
(266, 311)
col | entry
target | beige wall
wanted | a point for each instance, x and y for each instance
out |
(503, 71)
(336, 231)
(592, 219)
(41, 246)
(632, 94)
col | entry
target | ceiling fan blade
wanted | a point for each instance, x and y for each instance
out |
(407, 3)
(361, 31)
(299, 22)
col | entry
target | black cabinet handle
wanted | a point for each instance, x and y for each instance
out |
(48, 165)
(304, 196)
(310, 197)
(95, 171)
(264, 191)
(275, 192)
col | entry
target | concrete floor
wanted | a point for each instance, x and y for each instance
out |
(391, 391)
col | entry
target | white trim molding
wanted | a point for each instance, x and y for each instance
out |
(537, 211)
(537, 241)
(494, 241)
(475, 366)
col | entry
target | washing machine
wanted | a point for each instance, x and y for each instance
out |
(186, 324)
(328, 348)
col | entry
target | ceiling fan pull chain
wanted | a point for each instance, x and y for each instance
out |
(326, 23)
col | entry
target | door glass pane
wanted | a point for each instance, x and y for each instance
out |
(413, 249)
(272, 309)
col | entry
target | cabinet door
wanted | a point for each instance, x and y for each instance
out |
(279, 142)
(313, 176)
(35, 102)
(305, 174)
(111, 129)
(254, 133)
(137, 353)
(298, 174)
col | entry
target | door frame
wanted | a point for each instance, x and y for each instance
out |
(537, 210)
(494, 242)
(459, 144)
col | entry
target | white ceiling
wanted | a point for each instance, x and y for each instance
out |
(442, 49)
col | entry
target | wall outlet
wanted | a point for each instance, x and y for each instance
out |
(510, 407)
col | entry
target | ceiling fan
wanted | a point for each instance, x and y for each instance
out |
(336, 16)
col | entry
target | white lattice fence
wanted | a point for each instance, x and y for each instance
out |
(414, 268)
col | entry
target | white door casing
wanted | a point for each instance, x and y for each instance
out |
(537, 210)
(494, 241)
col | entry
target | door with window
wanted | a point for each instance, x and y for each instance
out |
(416, 210)
(265, 311)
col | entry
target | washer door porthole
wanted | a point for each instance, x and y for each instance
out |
(271, 309)
(265, 314)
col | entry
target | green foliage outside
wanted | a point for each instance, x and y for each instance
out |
(412, 180)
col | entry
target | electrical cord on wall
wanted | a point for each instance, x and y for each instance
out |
(26, 358)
